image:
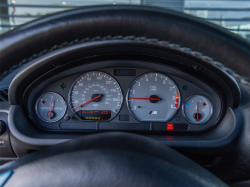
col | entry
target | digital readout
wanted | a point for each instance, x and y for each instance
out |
(96, 114)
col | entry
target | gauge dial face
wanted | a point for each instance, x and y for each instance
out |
(153, 97)
(50, 107)
(197, 109)
(95, 96)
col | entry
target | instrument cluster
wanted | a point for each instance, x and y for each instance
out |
(129, 99)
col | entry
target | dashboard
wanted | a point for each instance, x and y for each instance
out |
(157, 99)
(187, 90)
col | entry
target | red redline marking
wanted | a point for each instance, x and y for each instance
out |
(88, 101)
(156, 99)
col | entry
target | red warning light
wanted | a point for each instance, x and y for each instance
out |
(176, 105)
(177, 100)
(170, 126)
(204, 104)
(43, 101)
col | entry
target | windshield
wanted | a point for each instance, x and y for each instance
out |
(231, 14)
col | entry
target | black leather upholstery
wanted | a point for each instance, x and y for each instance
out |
(108, 159)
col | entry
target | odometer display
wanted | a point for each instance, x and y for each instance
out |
(96, 114)
(153, 97)
(95, 96)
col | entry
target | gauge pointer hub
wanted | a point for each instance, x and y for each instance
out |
(197, 116)
(51, 115)
(97, 99)
(152, 98)
(89, 101)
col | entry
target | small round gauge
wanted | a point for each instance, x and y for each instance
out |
(50, 107)
(197, 109)
(153, 97)
(95, 96)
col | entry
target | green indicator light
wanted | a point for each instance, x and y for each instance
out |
(185, 87)
(63, 86)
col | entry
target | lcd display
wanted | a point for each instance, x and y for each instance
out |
(96, 114)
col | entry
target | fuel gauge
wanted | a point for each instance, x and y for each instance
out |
(197, 109)
(50, 107)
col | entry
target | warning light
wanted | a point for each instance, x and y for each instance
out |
(63, 86)
(177, 100)
(43, 102)
(205, 104)
(185, 88)
(170, 126)
(176, 105)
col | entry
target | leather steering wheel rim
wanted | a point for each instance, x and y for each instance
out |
(102, 21)
(108, 159)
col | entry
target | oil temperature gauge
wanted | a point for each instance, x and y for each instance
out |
(197, 109)
(50, 107)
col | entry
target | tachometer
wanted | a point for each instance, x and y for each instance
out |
(153, 97)
(95, 96)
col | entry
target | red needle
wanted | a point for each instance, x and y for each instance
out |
(88, 101)
(197, 111)
(156, 99)
(50, 109)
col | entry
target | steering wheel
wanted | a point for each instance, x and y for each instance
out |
(115, 158)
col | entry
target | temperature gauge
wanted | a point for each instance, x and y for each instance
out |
(197, 109)
(50, 107)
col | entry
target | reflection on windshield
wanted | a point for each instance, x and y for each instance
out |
(231, 14)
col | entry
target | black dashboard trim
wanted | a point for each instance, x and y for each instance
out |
(61, 58)
(221, 136)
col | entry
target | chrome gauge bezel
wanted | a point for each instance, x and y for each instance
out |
(199, 123)
(72, 109)
(36, 109)
(127, 95)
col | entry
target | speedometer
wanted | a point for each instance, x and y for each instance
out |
(95, 96)
(153, 97)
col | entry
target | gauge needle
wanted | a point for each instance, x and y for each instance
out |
(50, 109)
(197, 111)
(88, 101)
(156, 99)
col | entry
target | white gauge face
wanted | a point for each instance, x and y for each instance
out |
(50, 107)
(153, 97)
(197, 109)
(95, 96)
